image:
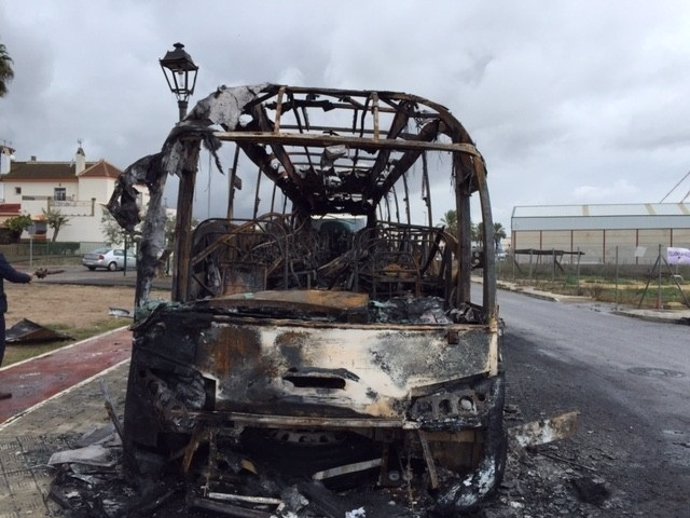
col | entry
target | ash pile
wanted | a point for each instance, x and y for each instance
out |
(98, 479)
(94, 480)
(546, 475)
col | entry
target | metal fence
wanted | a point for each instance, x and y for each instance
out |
(30, 251)
(653, 282)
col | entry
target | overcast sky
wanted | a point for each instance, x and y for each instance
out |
(569, 102)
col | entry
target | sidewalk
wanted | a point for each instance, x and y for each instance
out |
(38, 379)
(680, 316)
(57, 398)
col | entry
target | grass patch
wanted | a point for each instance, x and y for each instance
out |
(629, 293)
(93, 330)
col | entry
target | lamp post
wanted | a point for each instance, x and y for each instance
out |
(180, 73)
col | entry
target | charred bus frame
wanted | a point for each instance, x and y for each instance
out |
(298, 326)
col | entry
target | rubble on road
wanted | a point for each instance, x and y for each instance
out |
(545, 431)
(541, 480)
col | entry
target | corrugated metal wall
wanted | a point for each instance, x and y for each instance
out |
(636, 229)
(599, 244)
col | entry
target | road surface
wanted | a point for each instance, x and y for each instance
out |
(629, 378)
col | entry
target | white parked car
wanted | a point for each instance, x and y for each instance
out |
(109, 258)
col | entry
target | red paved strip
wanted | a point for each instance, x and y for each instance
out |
(40, 378)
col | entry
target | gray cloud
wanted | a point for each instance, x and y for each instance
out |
(577, 102)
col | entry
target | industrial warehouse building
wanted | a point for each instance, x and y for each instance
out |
(636, 230)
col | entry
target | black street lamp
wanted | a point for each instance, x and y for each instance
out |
(180, 73)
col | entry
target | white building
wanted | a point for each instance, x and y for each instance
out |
(79, 190)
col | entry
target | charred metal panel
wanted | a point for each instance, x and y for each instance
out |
(368, 370)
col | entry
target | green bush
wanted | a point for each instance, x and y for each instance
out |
(19, 224)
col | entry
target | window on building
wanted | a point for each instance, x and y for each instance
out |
(17, 190)
(60, 194)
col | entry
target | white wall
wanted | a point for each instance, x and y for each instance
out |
(38, 189)
(99, 188)
(82, 228)
(83, 213)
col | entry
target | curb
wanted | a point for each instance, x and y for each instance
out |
(534, 295)
(653, 318)
(528, 292)
(659, 318)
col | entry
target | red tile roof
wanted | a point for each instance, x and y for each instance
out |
(41, 171)
(62, 171)
(101, 169)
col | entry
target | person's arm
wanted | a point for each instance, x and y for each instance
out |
(12, 275)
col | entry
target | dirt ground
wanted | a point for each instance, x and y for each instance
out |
(76, 311)
(64, 306)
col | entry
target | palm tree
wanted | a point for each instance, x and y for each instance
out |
(478, 234)
(499, 233)
(6, 72)
(55, 220)
(450, 220)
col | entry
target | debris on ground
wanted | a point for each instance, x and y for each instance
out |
(540, 481)
(27, 332)
(545, 431)
(120, 313)
(591, 490)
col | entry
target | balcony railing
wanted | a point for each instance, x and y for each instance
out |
(73, 208)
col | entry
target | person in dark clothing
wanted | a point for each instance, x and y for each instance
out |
(12, 275)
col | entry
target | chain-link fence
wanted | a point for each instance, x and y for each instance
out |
(29, 252)
(639, 277)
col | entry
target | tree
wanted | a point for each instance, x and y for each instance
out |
(6, 72)
(478, 234)
(112, 230)
(450, 220)
(19, 224)
(499, 233)
(55, 220)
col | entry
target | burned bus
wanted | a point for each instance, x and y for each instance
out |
(322, 339)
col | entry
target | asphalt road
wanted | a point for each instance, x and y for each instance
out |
(629, 378)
